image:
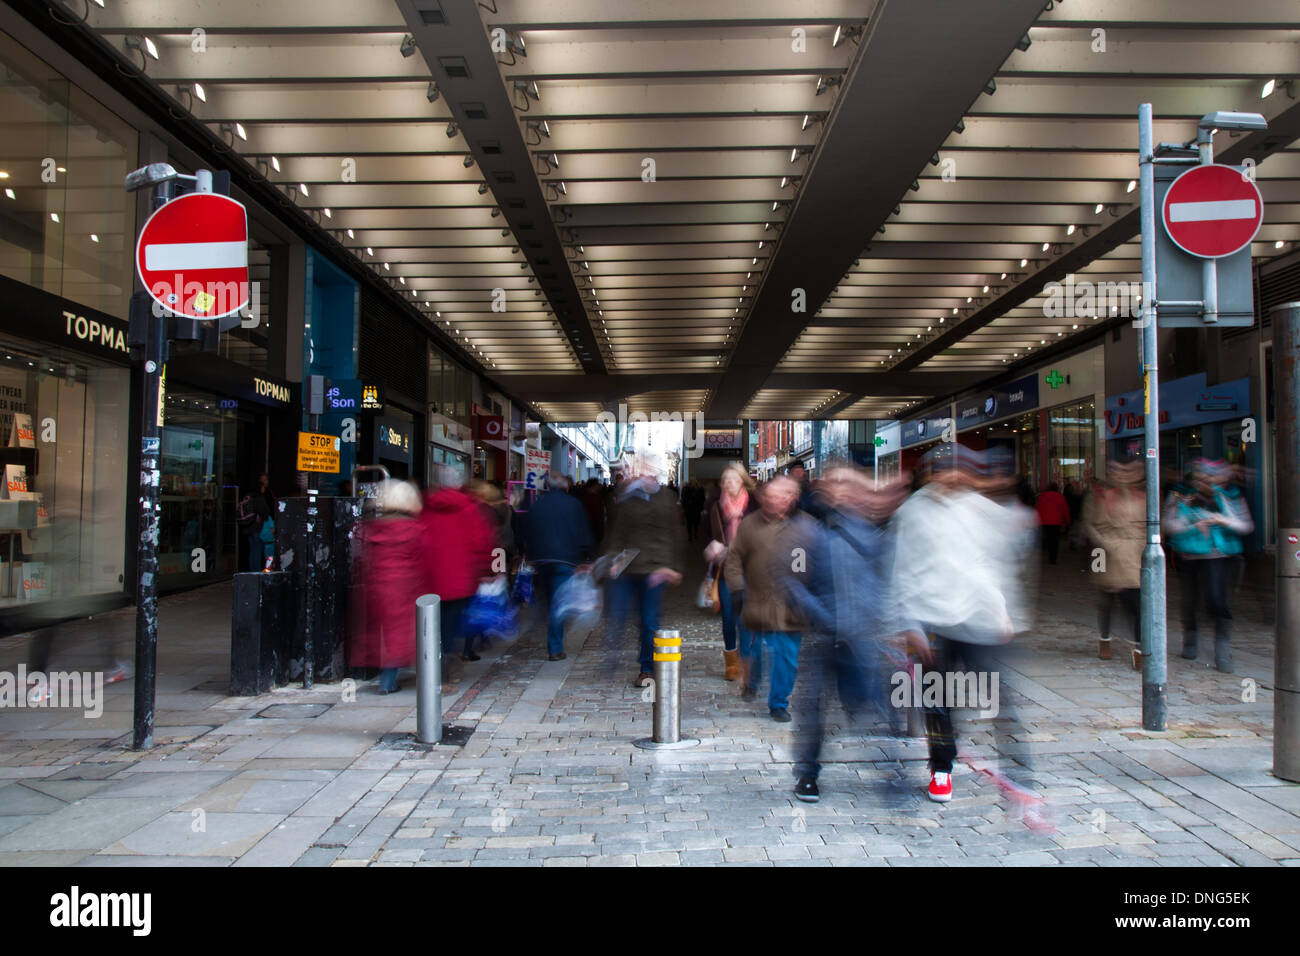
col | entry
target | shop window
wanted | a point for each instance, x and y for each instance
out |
(1072, 443)
(63, 440)
(66, 224)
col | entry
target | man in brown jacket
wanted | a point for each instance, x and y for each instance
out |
(773, 542)
(645, 517)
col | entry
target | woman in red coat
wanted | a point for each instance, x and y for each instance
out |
(392, 576)
(458, 543)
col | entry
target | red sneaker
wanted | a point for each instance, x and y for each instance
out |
(940, 787)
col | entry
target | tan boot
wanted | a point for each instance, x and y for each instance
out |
(1104, 650)
(731, 665)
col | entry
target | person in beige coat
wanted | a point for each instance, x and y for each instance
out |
(1114, 520)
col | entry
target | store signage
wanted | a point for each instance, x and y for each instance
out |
(319, 453)
(372, 398)
(1013, 399)
(536, 466)
(1055, 379)
(887, 441)
(1183, 402)
(192, 256)
(923, 429)
(94, 332)
(489, 427)
(392, 440)
(723, 439)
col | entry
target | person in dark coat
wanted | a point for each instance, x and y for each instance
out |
(255, 510)
(393, 575)
(559, 540)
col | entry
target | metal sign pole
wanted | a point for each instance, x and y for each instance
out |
(146, 591)
(1286, 669)
(1154, 676)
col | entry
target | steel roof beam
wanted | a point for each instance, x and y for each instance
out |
(893, 90)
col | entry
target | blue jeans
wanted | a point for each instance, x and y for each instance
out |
(551, 577)
(621, 594)
(730, 619)
(784, 648)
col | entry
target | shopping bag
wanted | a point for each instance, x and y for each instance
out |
(578, 600)
(523, 593)
(489, 611)
(707, 597)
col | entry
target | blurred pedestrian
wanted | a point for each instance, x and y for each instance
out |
(1206, 527)
(255, 510)
(458, 543)
(1114, 520)
(646, 519)
(957, 561)
(393, 573)
(593, 502)
(763, 552)
(693, 507)
(1053, 519)
(842, 596)
(735, 502)
(559, 540)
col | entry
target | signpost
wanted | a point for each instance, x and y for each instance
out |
(192, 255)
(1210, 213)
(319, 453)
(185, 256)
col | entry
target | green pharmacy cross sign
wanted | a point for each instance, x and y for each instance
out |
(879, 441)
(1055, 379)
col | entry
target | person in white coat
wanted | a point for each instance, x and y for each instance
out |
(963, 546)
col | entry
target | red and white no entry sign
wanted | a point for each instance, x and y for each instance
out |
(192, 256)
(1212, 211)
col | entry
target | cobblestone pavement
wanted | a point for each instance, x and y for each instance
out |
(549, 776)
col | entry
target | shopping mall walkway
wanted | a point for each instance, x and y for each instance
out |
(549, 775)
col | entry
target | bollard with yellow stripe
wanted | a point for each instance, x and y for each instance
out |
(667, 657)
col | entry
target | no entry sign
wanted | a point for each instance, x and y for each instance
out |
(1212, 211)
(192, 256)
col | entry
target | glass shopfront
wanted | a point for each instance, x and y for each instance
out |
(1072, 443)
(66, 224)
(63, 442)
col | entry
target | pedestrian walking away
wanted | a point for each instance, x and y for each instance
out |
(559, 540)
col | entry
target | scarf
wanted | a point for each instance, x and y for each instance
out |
(733, 510)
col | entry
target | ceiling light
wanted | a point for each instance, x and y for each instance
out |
(302, 188)
(1003, 276)
(94, 238)
(482, 188)
(402, 279)
(10, 194)
(1075, 326)
(969, 300)
(1269, 87)
(386, 267)
(328, 214)
(985, 289)
(408, 45)
(941, 320)
(1132, 184)
(784, 180)
(824, 83)
(369, 251)
(1070, 231)
(275, 164)
(1098, 208)
(351, 234)
(54, 216)
(1046, 246)
(1023, 263)
(954, 311)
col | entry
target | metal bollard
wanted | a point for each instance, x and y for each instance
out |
(667, 720)
(428, 669)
